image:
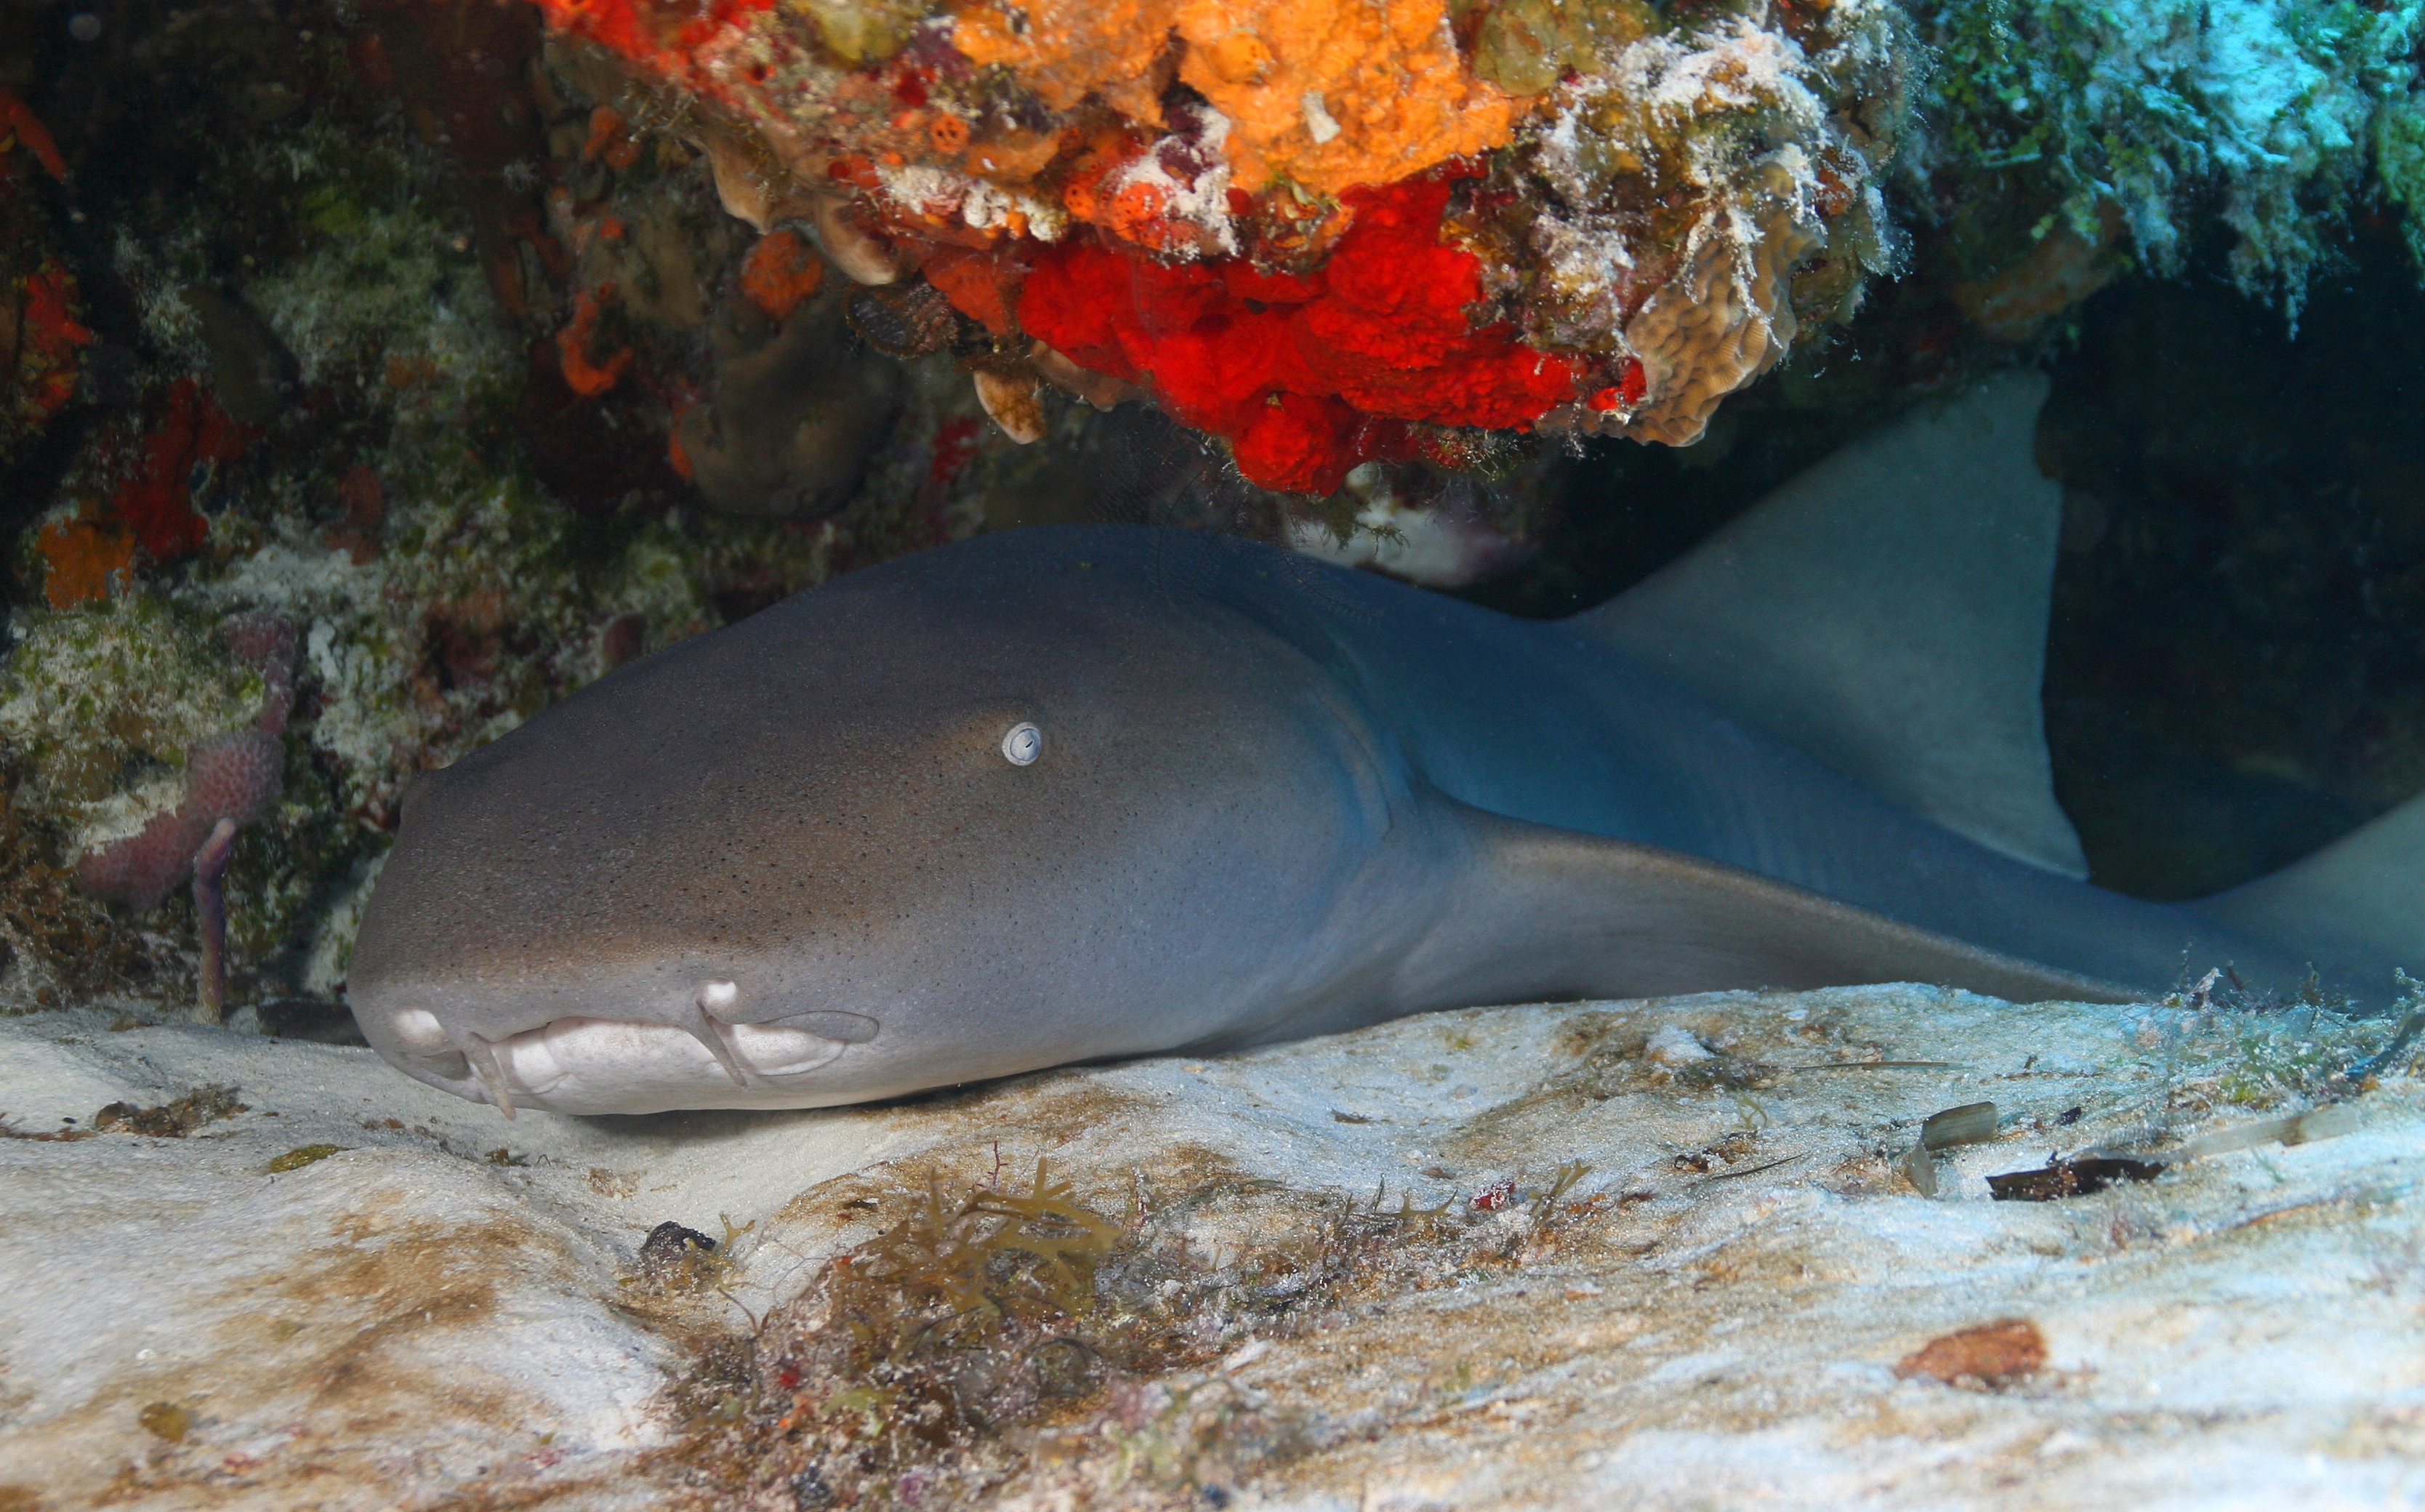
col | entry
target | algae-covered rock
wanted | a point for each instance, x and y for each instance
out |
(100, 708)
(2272, 120)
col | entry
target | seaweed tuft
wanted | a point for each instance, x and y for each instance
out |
(1008, 1339)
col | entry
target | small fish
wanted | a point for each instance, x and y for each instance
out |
(1067, 794)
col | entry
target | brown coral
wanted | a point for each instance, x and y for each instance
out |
(1722, 320)
(84, 558)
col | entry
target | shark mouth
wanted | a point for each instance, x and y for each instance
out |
(585, 1065)
(572, 1054)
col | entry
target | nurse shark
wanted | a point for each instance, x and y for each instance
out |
(1076, 793)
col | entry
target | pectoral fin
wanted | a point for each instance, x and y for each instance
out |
(1554, 913)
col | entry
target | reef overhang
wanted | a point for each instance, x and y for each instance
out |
(1326, 234)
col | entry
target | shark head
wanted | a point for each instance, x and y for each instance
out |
(996, 807)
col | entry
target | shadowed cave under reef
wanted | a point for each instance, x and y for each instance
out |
(2235, 674)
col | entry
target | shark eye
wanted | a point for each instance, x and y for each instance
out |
(1022, 744)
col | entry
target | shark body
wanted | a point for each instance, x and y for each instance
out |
(1076, 793)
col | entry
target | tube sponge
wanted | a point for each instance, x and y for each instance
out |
(232, 777)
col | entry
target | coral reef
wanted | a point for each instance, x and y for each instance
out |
(41, 329)
(2152, 125)
(1327, 234)
(391, 457)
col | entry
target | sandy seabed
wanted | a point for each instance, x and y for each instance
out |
(435, 1314)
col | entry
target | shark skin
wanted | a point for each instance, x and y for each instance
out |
(1073, 793)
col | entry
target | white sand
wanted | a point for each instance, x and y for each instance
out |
(410, 1321)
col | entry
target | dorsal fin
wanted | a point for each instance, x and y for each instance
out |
(2358, 902)
(1886, 612)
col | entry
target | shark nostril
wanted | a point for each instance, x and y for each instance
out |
(490, 1068)
(715, 999)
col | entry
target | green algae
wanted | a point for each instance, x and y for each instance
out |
(99, 706)
(302, 1156)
